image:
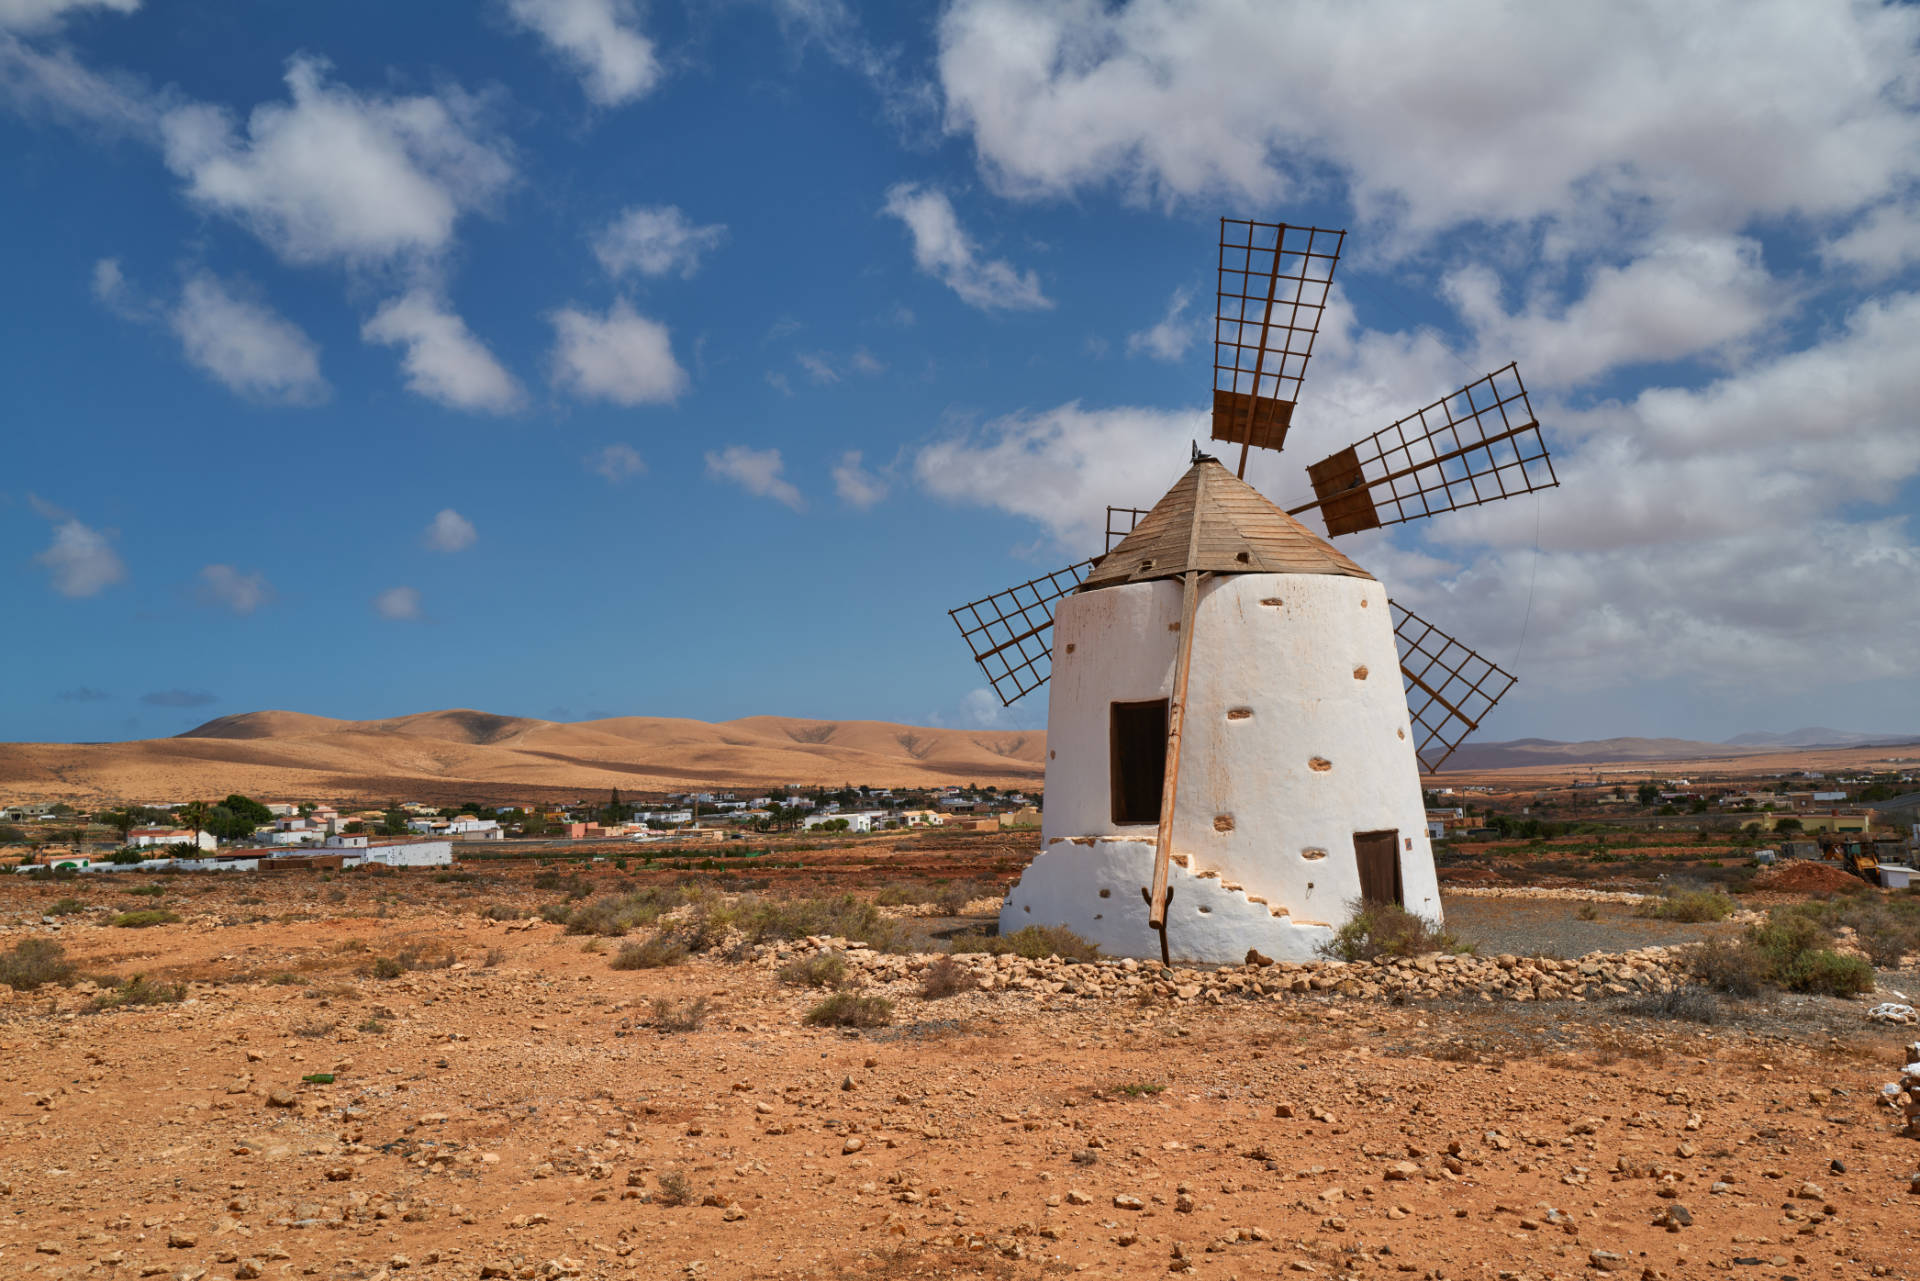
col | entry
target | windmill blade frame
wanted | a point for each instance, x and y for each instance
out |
(1115, 530)
(1274, 278)
(1476, 445)
(1457, 687)
(1011, 631)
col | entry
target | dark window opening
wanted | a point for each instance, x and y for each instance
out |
(1139, 760)
(1378, 856)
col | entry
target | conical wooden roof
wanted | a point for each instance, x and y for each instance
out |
(1214, 522)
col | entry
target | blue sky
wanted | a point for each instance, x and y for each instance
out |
(572, 358)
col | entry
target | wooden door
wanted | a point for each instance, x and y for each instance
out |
(1378, 854)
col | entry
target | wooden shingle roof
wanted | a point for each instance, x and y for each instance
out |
(1214, 522)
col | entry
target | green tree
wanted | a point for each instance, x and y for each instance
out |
(194, 815)
(121, 820)
(249, 809)
(395, 822)
(1788, 825)
(1648, 794)
(613, 813)
(226, 825)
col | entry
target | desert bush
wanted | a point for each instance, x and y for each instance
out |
(502, 912)
(493, 957)
(679, 1016)
(286, 978)
(1386, 929)
(1732, 967)
(1588, 912)
(555, 913)
(946, 977)
(32, 962)
(142, 919)
(953, 896)
(386, 967)
(1791, 949)
(1691, 1003)
(1887, 928)
(662, 949)
(901, 894)
(821, 969)
(1035, 942)
(1689, 905)
(600, 917)
(762, 920)
(140, 990)
(147, 891)
(675, 1189)
(846, 1009)
(1139, 1089)
(65, 907)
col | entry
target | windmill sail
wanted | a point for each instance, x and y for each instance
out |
(1011, 632)
(1477, 445)
(1273, 287)
(1450, 689)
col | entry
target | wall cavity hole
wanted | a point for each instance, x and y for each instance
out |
(1272, 601)
(1106, 893)
(1069, 649)
(1173, 626)
(1363, 602)
(1359, 673)
(1027, 908)
(1239, 713)
(1099, 916)
(1223, 822)
(1245, 558)
(1319, 764)
(1051, 754)
(1402, 733)
(1313, 855)
(1206, 911)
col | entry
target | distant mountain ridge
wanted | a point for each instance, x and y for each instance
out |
(1522, 752)
(1819, 737)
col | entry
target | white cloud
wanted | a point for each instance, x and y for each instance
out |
(818, 367)
(1886, 240)
(655, 241)
(857, 486)
(1170, 338)
(444, 361)
(758, 471)
(248, 347)
(600, 40)
(227, 587)
(336, 175)
(401, 604)
(1441, 114)
(450, 532)
(942, 248)
(80, 560)
(866, 362)
(617, 462)
(621, 356)
(29, 16)
(1684, 295)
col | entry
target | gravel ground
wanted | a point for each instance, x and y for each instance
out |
(1552, 927)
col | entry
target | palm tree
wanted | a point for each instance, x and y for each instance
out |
(194, 815)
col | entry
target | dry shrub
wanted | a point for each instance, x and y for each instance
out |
(65, 907)
(1731, 967)
(661, 950)
(675, 1189)
(946, 977)
(1387, 929)
(32, 962)
(1689, 1003)
(140, 990)
(502, 912)
(142, 919)
(493, 957)
(821, 969)
(846, 1009)
(1692, 906)
(1035, 942)
(679, 1016)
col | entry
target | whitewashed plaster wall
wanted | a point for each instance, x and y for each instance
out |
(1296, 738)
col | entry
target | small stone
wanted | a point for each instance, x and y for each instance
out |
(1810, 1192)
(280, 1097)
(179, 1240)
(1283, 1109)
(1402, 1170)
(1183, 1203)
(249, 1269)
(733, 1214)
(1606, 1260)
(1126, 1201)
(1077, 1197)
(853, 1144)
(1678, 1217)
(846, 1083)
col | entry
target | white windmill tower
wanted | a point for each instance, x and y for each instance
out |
(1230, 763)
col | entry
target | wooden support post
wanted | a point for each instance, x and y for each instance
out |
(1176, 714)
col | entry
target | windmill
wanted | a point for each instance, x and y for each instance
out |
(1217, 632)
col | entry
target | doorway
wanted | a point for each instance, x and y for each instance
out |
(1378, 856)
(1139, 760)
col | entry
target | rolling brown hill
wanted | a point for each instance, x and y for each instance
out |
(464, 754)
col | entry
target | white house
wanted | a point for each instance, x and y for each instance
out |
(467, 828)
(141, 838)
(1298, 791)
(857, 820)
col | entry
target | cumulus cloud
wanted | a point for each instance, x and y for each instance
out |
(655, 240)
(111, 290)
(857, 486)
(450, 532)
(943, 249)
(34, 16)
(1883, 242)
(818, 367)
(247, 346)
(228, 588)
(80, 561)
(84, 694)
(1440, 115)
(179, 698)
(600, 40)
(401, 604)
(444, 361)
(758, 471)
(617, 462)
(1175, 332)
(620, 356)
(335, 175)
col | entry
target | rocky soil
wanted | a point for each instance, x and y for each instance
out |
(525, 1112)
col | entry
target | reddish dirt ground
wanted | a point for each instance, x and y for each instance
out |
(524, 1115)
